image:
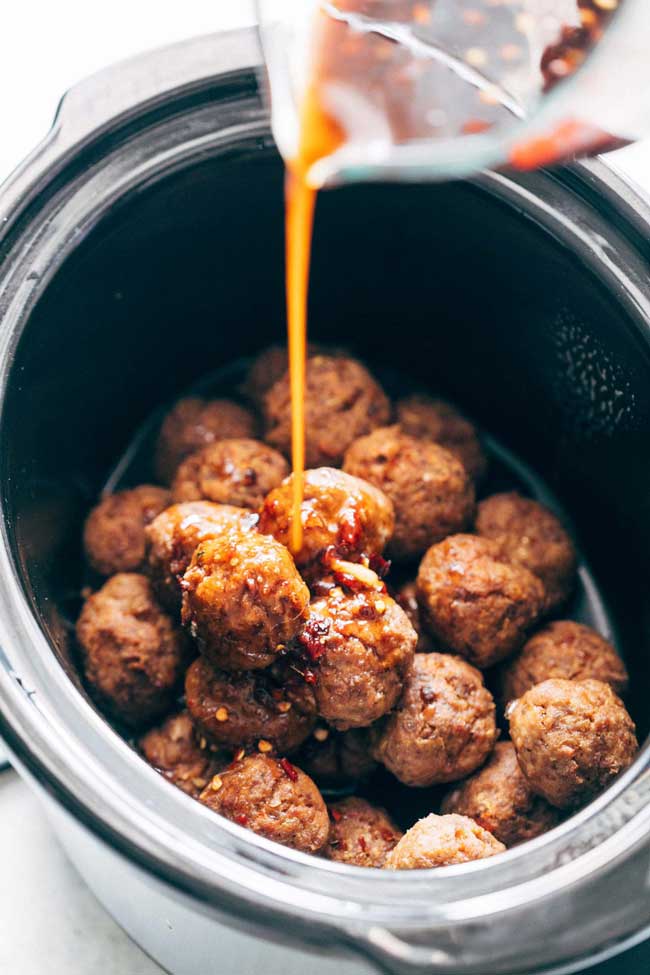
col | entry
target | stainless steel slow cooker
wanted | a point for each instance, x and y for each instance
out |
(141, 247)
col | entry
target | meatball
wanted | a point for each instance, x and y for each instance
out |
(406, 597)
(360, 834)
(337, 759)
(444, 726)
(571, 737)
(342, 402)
(183, 757)
(243, 709)
(435, 419)
(237, 472)
(271, 797)
(499, 798)
(338, 511)
(429, 487)
(563, 649)
(530, 535)
(361, 645)
(173, 536)
(438, 841)
(133, 654)
(475, 603)
(271, 365)
(114, 533)
(194, 422)
(243, 599)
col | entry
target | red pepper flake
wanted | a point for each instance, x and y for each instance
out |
(289, 770)
(473, 126)
(313, 635)
(242, 819)
(363, 844)
(335, 815)
(379, 565)
(387, 836)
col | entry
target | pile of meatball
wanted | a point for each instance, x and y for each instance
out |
(411, 625)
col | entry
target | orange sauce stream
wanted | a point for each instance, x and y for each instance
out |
(320, 135)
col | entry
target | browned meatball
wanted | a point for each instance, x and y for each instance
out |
(530, 535)
(181, 755)
(249, 708)
(342, 402)
(271, 797)
(571, 737)
(444, 725)
(473, 602)
(114, 532)
(133, 655)
(406, 597)
(429, 487)
(243, 599)
(194, 422)
(360, 834)
(499, 798)
(337, 758)
(435, 419)
(338, 511)
(438, 841)
(271, 365)
(173, 536)
(237, 472)
(563, 649)
(362, 645)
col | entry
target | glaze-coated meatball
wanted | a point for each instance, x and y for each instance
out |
(335, 759)
(431, 491)
(237, 472)
(342, 402)
(439, 841)
(175, 533)
(133, 655)
(530, 535)
(114, 533)
(243, 599)
(435, 419)
(271, 797)
(499, 798)
(242, 709)
(195, 422)
(406, 597)
(360, 834)
(181, 755)
(338, 510)
(563, 649)
(361, 645)
(444, 725)
(475, 603)
(571, 737)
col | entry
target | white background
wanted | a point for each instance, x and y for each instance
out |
(48, 45)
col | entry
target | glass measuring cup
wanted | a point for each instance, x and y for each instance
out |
(436, 89)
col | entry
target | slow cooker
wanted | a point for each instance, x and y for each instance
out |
(141, 246)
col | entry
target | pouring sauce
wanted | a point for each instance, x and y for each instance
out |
(374, 78)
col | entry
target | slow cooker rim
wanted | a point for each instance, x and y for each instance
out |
(15, 741)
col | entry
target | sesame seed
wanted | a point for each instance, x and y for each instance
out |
(284, 706)
(321, 734)
(264, 746)
(476, 56)
(222, 714)
(216, 783)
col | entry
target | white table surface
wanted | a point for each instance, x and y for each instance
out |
(49, 921)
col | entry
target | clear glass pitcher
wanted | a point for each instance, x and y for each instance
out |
(436, 89)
